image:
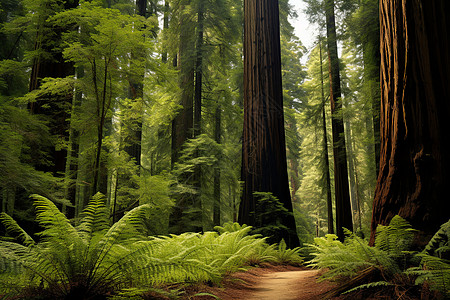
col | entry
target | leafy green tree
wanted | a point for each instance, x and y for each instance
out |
(102, 49)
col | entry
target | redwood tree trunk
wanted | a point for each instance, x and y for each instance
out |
(342, 196)
(264, 166)
(326, 168)
(415, 75)
(182, 125)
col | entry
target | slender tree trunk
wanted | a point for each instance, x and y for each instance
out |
(136, 93)
(183, 123)
(264, 166)
(351, 170)
(371, 57)
(52, 64)
(342, 197)
(415, 74)
(218, 139)
(325, 150)
(165, 27)
(74, 148)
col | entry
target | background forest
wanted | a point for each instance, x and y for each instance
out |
(143, 103)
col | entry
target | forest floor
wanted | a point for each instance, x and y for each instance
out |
(269, 283)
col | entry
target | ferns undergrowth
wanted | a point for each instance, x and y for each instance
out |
(94, 260)
(390, 263)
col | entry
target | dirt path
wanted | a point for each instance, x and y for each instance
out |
(290, 285)
(271, 283)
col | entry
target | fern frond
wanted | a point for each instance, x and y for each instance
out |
(95, 217)
(396, 237)
(440, 240)
(285, 255)
(436, 271)
(12, 257)
(129, 228)
(13, 229)
(369, 285)
(55, 224)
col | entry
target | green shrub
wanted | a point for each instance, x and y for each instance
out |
(390, 262)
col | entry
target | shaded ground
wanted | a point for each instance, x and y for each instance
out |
(270, 283)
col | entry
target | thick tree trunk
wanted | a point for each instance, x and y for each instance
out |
(264, 166)
(415, 75)
(342, 197)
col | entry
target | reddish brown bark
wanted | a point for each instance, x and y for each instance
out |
(264, 166)
(341, 187)
(415, 85)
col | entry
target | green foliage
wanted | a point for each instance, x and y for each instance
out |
(288, 256)
(229, 227)
(13, 229)
(391, 256)
(93, 259)
(396, 238)
(87, 260)
(269, 213)
(439, 245)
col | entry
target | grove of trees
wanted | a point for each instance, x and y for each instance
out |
(213, 111)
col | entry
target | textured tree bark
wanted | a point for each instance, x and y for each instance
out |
(217, 186)
(182, 125)
(136, 91)
(325, 151)
(415, 88)
(342, 197)
(264, 166)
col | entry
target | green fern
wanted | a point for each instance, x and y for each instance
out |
(13, 229)
(369, 285)
(391, 257)
(287, 256)
(434, 270)
(68, 261)
(439, 243)
(396, 238)
(93, 259)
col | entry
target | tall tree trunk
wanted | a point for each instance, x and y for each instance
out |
(197, 180)
(371, 58)
(136, 93)
(326, 160)
(351, 170)
(182, 124)
(415, 74)
(165, 27)
(264, 166)
(73, 149)
(218, 139)
(52, 64)
(342, 197)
